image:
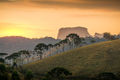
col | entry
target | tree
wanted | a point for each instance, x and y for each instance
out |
(62, 43)
(50, 46)
(14, 65)
(15, 76)
(24, 52)
(108, 36)
(29, 75)
(2, 60)
(118, 35)
(3, 72)
(57, 73)
(2, 68)
(57, 45)
(74, 39)
(26, 55)
(40, 49)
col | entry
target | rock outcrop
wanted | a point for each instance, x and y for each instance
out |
(81, 31)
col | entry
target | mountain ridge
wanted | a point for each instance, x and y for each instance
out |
(10, 44)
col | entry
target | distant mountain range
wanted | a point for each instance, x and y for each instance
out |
(16, 43)
(13, 44)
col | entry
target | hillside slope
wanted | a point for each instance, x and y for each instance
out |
(87, 60)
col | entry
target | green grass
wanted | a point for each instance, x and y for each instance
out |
(88, 60)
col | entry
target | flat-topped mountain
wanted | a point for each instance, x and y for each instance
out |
(81, 31)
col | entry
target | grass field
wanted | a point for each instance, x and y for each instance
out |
(88, 60)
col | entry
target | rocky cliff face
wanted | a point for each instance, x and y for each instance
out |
(81, 31)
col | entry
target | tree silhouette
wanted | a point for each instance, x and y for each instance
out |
(15, 76)
(40, 49)
(57, 73)
(3, 72)
(106, 76)
(108, 36)
(29, 75)
(2, 60)
(2, 68)
(74, 39)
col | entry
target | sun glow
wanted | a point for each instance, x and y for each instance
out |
(13, 32)
(34, 21)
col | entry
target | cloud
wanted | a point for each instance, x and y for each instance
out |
(4, 0)
(8, 0)
(82, 4)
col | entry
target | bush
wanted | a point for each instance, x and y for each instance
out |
(29, 75)
(15, 76)
(57, 74)
(106, 76)
(3, 72)
(2, 68)
(4, 76)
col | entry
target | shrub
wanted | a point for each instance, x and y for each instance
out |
(106, 76)
(15, 76)
(29, 75)
(57, 73)
(2, 68)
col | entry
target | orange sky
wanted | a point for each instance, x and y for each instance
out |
(40, 18)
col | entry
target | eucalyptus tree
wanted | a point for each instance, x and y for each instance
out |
(18, 57)
(108, 36)
(40, 48)
(63, 42)
(50, 46)
(12, 58)
(24, 54)
(57, 45)
(74, 40)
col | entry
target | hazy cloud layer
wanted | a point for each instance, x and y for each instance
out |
(4, 0)
(82, 4)
(89, 4)
(8, 0)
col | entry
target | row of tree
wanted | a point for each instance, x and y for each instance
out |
(109, 36)
(72, 41)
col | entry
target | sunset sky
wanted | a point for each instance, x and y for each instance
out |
(40, 18)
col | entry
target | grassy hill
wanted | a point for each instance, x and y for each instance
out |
(88, 60)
